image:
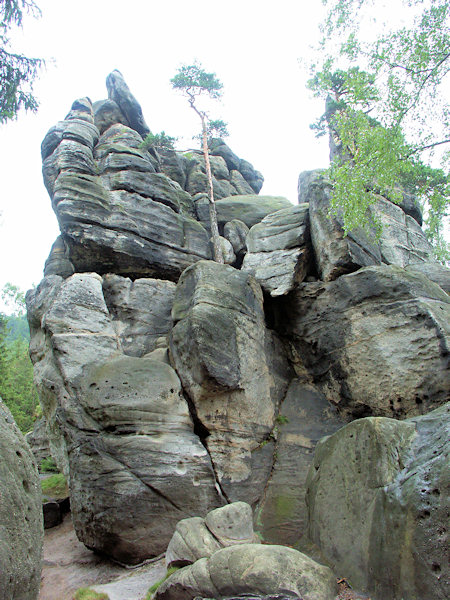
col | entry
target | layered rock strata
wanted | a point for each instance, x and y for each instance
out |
(173, 385)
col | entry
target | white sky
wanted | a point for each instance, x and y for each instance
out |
(252, 46)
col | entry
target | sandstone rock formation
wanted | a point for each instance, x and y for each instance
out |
(251, 568)
(172, 385)
(21, 530)
(197, 538)
(376, 341)
(387, 525)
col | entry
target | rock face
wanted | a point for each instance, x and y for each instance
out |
(402, 242)
(251, 568)
(305, 416)
(278, 250)
(218, 348)
(117, 412)
(38, 441)
(376, 341)
(174, 386)
(21, 530)
(387, 526)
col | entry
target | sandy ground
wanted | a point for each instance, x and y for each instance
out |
(69, 565)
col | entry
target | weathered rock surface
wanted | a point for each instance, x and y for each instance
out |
(119, 92)
(21, 531)
(387, 483)
(196, 538)
(235, 232)
(38, 441)
(375, 341)
(402, 240)
(218, 349)
(251, 568)
(249, 209)
(115, 213)
(278, 250)
(128, 442)
(305, 417)
(107, 113)
(434, 271)
(58, 261)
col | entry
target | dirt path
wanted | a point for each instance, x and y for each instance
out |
(69, 565)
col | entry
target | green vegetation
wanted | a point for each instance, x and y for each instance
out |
(17, 72)
(281, 419)
(48, 465)
(17, 389)
(386, 109)
(55, 486)
(160, 141)
(194, 82)
(156, 585)
(88, 594)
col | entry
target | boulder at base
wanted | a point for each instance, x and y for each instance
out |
(21, 530)
(378, 496)
(251, 568)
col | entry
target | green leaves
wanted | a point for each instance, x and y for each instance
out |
(386, 109)
(158, 141)
(17, 72)
(194, 81)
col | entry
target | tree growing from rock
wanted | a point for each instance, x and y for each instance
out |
(387, 109)
(17, 72)
(193, 82)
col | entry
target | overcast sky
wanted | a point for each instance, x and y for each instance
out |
(253, 46)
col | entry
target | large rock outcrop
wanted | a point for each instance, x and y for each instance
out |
(173, 385)
(21, 529)
(386, 529)
(116, 413)
(375, 341)
(218, 346)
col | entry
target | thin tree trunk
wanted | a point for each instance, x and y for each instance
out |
(218, 256)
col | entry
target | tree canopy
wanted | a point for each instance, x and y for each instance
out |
(17, 389)
(386, 108)
(17, 72)
(194, 82)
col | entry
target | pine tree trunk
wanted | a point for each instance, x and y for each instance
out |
(218, 256)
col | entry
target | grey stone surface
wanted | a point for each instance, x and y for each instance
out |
(279, 249)
(402, 241)
(115, 213)
(107, 113)
(217, 346)
(37, 439)
(386, 529)
(434, 271)
(196, 538)
(235, 232)
(119, 92)
(249, 209)
(58, 262)
(120, 426)
(305, 417)
(375, 341)
(251, 568)
(21, 530)
(140, 311)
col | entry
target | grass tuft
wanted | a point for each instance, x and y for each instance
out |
(88, 594)
(156, 585)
